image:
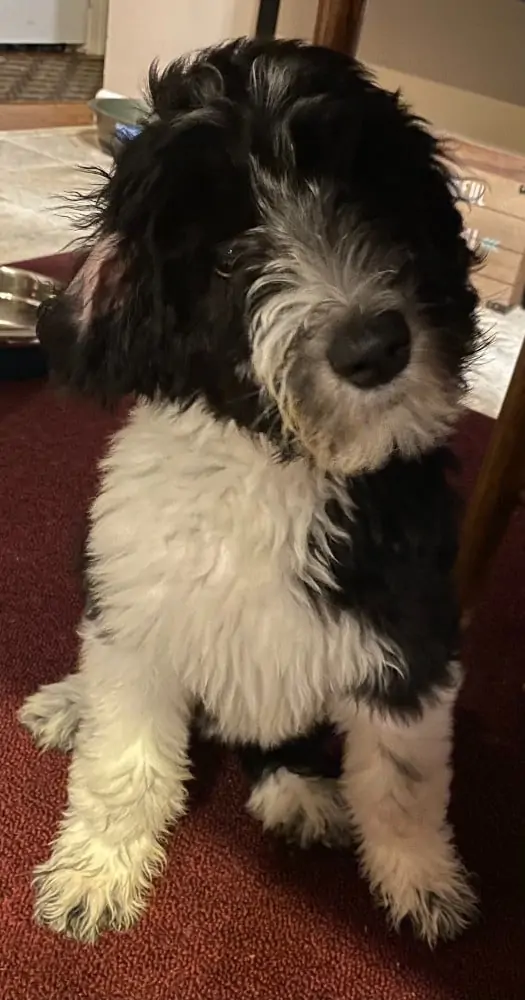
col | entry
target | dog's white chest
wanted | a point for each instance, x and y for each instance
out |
(201, 537)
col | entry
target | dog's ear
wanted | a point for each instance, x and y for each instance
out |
(182, 86)
(176, 177)
(180, 190)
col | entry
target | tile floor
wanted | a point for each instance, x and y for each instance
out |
(39, 168)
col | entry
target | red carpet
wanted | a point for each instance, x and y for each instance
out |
(238, 916)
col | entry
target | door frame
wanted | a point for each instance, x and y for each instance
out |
(97, 27)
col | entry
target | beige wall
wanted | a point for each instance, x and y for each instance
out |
(461, 63)
(297, 19)
(476, 45)
(142, 30)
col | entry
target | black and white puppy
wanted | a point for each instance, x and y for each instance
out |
(278, 273)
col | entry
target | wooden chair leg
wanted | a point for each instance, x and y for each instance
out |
(338, 24)
(496, 493)
(267, 18)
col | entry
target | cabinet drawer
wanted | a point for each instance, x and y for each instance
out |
(489, 178)
(495, 193)
(496, 294)
(506, 231)
(503, 265)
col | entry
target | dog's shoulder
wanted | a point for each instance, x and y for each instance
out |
(391, 563)
(405, 513)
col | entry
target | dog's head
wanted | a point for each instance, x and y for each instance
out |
(281, 242)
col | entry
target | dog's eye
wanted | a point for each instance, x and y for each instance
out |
(225, 263)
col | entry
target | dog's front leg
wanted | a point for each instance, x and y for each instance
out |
(396, 781)
(127, 783)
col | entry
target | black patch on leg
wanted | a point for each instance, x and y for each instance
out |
(314, 754)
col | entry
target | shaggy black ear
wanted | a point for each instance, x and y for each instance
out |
(178, 175)
(179, 192)
(181, 87)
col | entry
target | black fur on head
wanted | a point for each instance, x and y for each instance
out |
(281, 242)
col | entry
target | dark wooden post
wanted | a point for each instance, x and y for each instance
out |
(496, 493)
(267, 18)
(338, 24)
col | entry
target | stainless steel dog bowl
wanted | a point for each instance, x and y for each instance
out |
(116, 118)
(21, 293)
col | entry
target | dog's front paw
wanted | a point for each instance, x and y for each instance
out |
(425, 884)
(86, 889)
(52, 714)
(443, 914)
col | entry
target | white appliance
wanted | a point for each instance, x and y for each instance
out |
(43, 22)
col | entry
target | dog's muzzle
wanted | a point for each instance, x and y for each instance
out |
(370, 350)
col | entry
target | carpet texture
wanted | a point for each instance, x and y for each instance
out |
(238, 915)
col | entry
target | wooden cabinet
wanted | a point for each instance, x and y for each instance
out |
(491, 186)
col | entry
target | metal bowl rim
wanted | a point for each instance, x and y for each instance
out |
(108, 110)
(34, 275)
(53, 284)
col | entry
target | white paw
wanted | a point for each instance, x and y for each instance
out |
(303, 809)
(52, 714)
(88, 888)
(427, 885)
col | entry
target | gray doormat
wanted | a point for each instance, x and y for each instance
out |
(30, 76)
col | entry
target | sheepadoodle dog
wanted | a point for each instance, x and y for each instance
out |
(277, 274)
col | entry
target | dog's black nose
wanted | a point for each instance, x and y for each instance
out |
(370, 350)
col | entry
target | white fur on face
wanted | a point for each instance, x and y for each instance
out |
(310, 283)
